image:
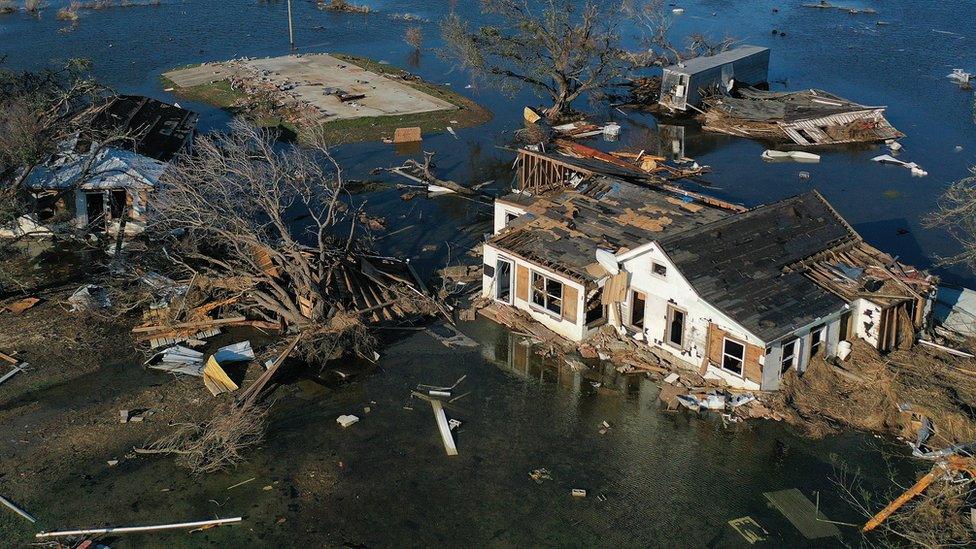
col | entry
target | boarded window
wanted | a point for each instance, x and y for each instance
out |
(676, 327)
(547, 293)
(638, 302)
(733, 354)
(570, 312)
(522, 283)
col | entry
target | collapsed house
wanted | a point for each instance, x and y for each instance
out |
(688, 83)
(109, 173)
(738, 295)
(805, 118)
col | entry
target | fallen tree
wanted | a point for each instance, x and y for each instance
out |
(267, 227)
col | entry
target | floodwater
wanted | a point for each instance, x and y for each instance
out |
(668, 478)
(655, 478)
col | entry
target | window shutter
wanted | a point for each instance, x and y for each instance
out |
(570, 295)
(522, 283)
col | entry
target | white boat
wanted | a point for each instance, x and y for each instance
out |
(771, 155)
(960, 76)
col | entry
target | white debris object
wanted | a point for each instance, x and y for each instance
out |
(178, 360)
(579, 493)
(916, 170)
(89, 297)
(771, 155)
(444, 427)
(959, 76)
(346, 420)
(672, 378)
(238, 352)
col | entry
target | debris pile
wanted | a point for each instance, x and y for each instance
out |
(805, 118)
(895, 394)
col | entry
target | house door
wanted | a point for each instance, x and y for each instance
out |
(95, 209)
(503, 281)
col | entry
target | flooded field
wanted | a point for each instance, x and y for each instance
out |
(655, 478)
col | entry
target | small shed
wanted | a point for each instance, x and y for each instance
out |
(682, 84)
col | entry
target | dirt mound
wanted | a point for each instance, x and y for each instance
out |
(887, 394)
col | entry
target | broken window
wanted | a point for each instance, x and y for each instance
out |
(789, 353)
(659, 270)
(638, 303)
(547, 293)
(120, 200)
(509, 217)
(816, 338)
(733, 354)
(676, 327)
(595, 310)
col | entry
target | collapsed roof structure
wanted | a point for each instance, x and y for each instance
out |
(806, 118)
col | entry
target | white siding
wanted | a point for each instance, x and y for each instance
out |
(501, 210)
(867, 321)
(673, 289)
(570, 330)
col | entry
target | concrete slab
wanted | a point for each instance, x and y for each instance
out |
(309, 76)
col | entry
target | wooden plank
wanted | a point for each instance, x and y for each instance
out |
(200, 324)
(570, 307)
(522, 282)
(252, 393)
(802, 513)
(8, 358)
(216, 379)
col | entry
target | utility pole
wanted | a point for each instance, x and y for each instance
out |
(291, 32)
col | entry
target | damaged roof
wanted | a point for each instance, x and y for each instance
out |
(706, 62)
(786, 106)
(110, 169)
(562, 231)
(160, 129)
(737, 263)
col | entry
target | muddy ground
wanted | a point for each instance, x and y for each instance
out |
(60, 417)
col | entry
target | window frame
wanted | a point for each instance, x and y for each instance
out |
(643, 316)
(655, 265)
(792, 358)
(816, 344)
(684, 325)
(511, 280)
(544, 307)
(511, 216)
(742, 360)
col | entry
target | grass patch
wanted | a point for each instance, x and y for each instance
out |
(219, 94)
(355, 130)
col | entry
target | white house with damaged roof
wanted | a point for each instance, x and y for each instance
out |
(110, 173)
(741, 295)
